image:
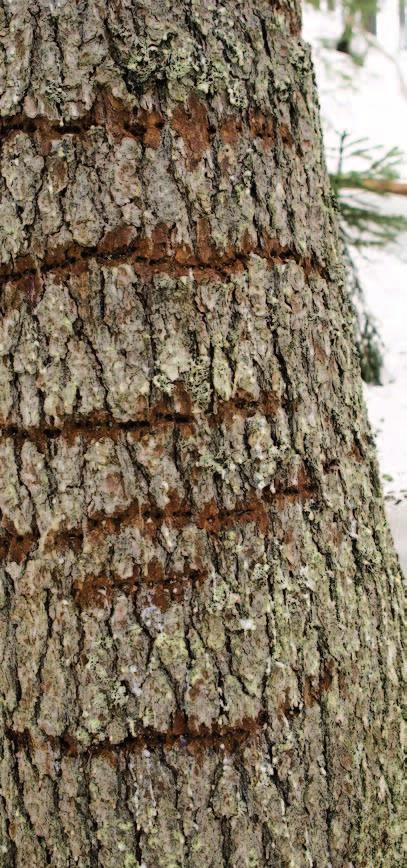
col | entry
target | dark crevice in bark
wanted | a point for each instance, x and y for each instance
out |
(280, 785)
(226, 842)
(43, 656)
(325, 678)
(10, 853)
(265, 37)
(23, 747)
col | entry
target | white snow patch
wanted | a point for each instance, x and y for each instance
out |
(370, 101)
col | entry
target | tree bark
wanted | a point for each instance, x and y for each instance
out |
(369, 18)
(402, 23)
(200, 602)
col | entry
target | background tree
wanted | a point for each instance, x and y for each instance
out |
(200, 627)
(402, 21)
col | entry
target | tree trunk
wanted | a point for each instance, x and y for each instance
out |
(403, 24)
(200, 628)
(369, 20)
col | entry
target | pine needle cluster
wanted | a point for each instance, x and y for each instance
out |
(364, 224)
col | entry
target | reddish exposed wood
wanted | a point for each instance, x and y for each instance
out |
(191, 124)
(97, 591)
(107, 111)
(150, 519)
(157, 253)
(262, 128)
(184, 733)
(286, 135)
(230, 130)
(314, 693)
(149, 126)
(253, 510)
(176, 411)
(93, 592)
(19, 548)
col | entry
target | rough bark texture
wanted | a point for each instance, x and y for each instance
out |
(199, 622)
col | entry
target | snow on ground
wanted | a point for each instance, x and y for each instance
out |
(370, 101)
